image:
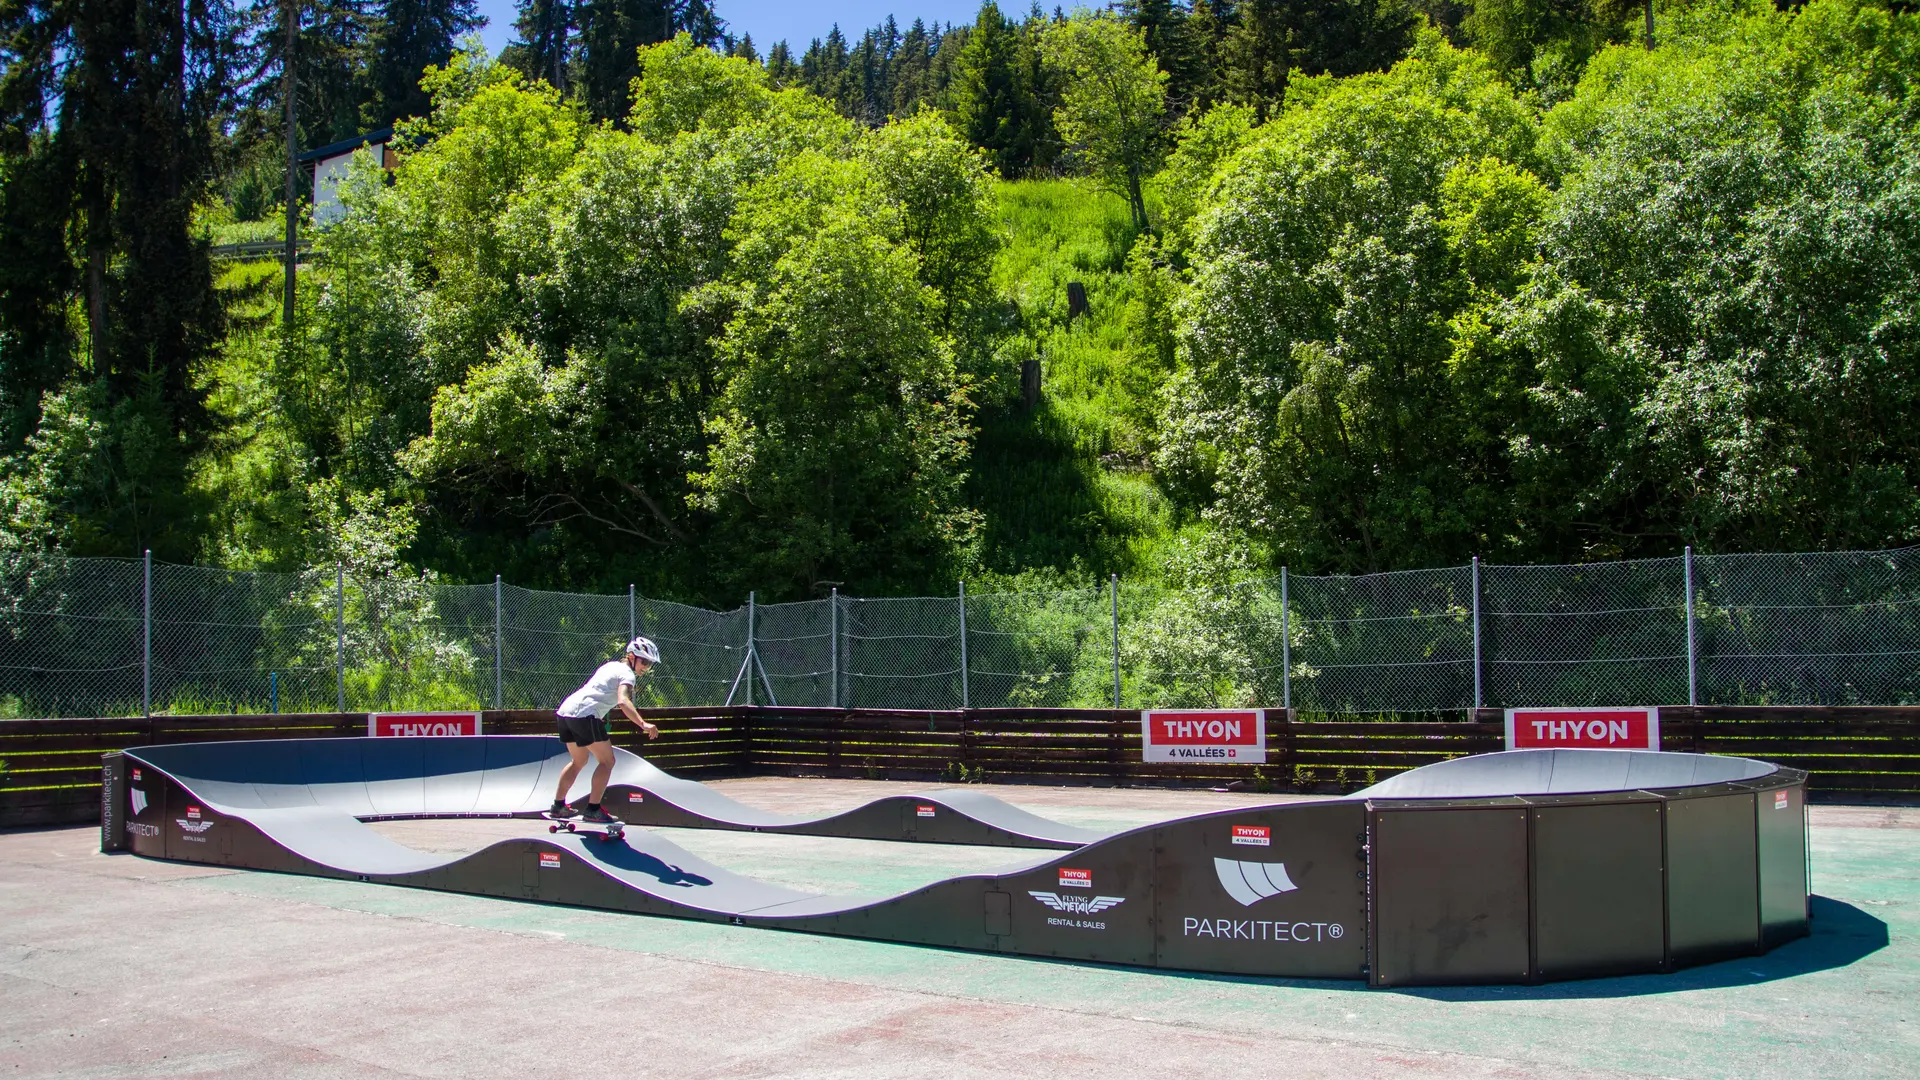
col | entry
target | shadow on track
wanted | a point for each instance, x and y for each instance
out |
(623, 857)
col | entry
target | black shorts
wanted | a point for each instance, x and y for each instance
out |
(581, 730)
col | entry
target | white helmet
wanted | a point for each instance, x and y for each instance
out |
(644, 649)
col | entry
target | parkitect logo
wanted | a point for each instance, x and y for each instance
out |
(1251, 882)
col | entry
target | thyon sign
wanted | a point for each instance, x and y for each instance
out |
(1231, 736)
(392, 725)
(1583, 729)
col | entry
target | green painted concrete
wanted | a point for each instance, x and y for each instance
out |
(1840, 1004)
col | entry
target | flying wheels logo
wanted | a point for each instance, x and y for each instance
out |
(1077, 905)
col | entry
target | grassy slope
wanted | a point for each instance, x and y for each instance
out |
(1064, 487)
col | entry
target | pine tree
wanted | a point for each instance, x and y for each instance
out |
(987, 105)
(543, 48)
(111, 125)
(781, 70)
(912, 62)
(411, 35)
(611, 33)
(825, 64)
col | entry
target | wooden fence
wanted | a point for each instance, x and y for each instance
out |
(52, 767)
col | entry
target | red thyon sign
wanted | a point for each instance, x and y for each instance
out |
(1583, 729)
(392, 725)
(1235, 736)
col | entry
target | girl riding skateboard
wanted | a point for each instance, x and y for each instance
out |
(582, 720)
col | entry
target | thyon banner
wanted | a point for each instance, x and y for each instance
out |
(1636, 728)
(1232, 736)
(403, 725)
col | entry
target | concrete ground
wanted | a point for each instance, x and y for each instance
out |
(116, 966)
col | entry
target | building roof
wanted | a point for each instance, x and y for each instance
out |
(346, 146)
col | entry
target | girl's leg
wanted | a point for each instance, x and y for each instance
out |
(602, 770)
(577, 760)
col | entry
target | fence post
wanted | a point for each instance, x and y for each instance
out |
(1477, 698)
(963, 647)
(340, 635)
(1116, 640)
(1693, 694)
(499, 642)
(750, 657)
(1286, 645)
(146, 636)
(833, 646)
(633, 622)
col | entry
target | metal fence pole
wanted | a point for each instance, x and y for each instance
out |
(633, 622)
(751, 662)
(1693, 689)
(340, 634)
(1286, 646)
(1115, 581)
(499, 642)
(1477, 698)
(963, 646)
(146, 637)
(833, 647)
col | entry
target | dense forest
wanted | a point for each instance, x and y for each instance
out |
(1369, 285)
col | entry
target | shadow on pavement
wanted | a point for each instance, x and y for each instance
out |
(1842, 934)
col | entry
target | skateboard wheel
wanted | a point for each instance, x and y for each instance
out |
(553, 828)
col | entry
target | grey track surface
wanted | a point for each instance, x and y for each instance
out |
(1561, 772)
(499, 775)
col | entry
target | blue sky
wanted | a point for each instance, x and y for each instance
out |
(798, 22)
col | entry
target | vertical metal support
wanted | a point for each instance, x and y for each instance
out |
(751, 659)
(1286, 646)
(1477, 698)
(273, 690)
(633, 621)
(340, 634)
(964, 703)
(1693, 684)
(290, 14)
(1115, 584)
(500, 642)
(833, 646)
(146, 636)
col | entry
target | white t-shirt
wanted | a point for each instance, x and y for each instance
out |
(602, 692)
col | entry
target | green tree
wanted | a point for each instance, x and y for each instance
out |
(1317, 404)
(839, 447)
(1114, 102)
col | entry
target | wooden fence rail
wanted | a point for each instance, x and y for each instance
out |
(52, 767)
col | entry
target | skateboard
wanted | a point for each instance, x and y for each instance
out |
(606, 830)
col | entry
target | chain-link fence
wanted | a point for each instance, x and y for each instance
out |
(101, 637)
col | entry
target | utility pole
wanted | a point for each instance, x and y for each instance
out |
(290, 14)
